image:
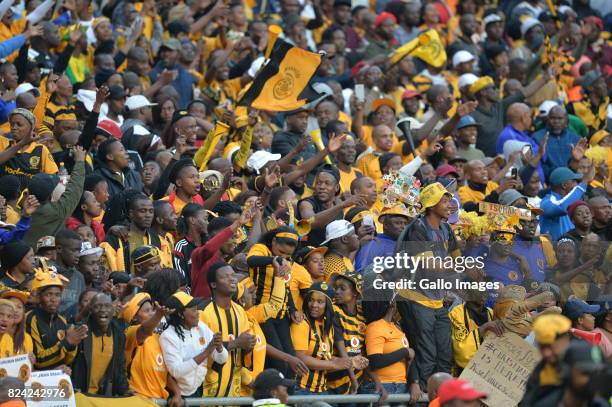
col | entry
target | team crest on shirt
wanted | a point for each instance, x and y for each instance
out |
(354, 342)
(159, 359)
(361, 328)
(202, 341)
(323, 346)
(61, 334)
(404, 342)
(513, 275)
(34, 161)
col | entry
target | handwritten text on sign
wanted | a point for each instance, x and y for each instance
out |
(501, 367)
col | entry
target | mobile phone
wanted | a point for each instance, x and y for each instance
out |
(368, 220)
(360, 92)
(514, 173)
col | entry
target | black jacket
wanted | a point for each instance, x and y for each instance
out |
(131, 180)
(115, 381)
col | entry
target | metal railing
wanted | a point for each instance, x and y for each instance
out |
(329, 398)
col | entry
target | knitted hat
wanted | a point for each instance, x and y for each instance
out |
(12, 254)
(42, 186)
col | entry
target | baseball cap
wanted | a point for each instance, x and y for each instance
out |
(397, 210)
(377, 103)
(563, 174)
(338, 229)
(116, 92)
(131, 308)
(110, 128)
(548, 327)
(456, 158)
(302, 254)
(172, 44)
(45, 242)
(259, 158)
(410, 93)
(462, 56)
(466, 121)
(144, 253)
(181, 300)
(509, 196)
(545, 107)
(590, 78)
(87, 249)
(268, 380)
(528, 24)
(324, 288)
(432, 194)
(584, 357)
(26, 87)
(138, 102)
(458, 389)
(575, 308)
(446, 169)
(467, 79)
(492, 18)
(480, 84)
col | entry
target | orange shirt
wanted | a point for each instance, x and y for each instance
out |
(384, 337)
(147, 371)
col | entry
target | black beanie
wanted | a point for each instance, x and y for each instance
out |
(12, 254)
(102, 76)
(42, 186)
(10, 187)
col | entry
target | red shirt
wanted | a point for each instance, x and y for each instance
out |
(202, 258)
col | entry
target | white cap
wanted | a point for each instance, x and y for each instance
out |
(528, 24)
(338, 229)
(461, 57)
(141, 130)
(492, 18)
(545, 107)
(467, 79)
(25, 87)
(138, 102)
(260, 158)
(87, 249)
(323, 89)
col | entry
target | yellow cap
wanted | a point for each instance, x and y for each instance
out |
(597, 137)
(377, 103)
(22, 296)
(480, 84)
(131, 308)
(549, 326)
(230, 149)
(432, 194)
(397, 210)
(44, 279)
(181, 299)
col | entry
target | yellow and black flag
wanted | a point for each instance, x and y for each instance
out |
(282, 84)
(426, 46)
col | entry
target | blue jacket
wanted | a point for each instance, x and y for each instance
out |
(558, 149)
(381, 246)
(555, 221)
(16, 233)
(183, 82)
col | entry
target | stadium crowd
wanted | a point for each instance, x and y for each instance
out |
(170, 230)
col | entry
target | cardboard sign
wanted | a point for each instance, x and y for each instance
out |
(501, 367)
(50, 388)
(16, 366)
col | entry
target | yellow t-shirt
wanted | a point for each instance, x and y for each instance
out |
(101, 356)
(346, 178)
(147, 371)
(300, 280)
(254, 361)
(467, 194)
(384, 337)
(6, 346)
(35, 158)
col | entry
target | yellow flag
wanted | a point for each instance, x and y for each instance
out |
(282, 84)
(93, 401)
(427, 46)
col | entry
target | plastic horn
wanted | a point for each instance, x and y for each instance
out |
(594, 338)
(273, 33)
(318, 141)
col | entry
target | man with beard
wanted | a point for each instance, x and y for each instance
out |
(581, 216)
(560, 140)
(118, 252)
(384, 25)
(89, 265)
(99, 367)
(602, 217)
